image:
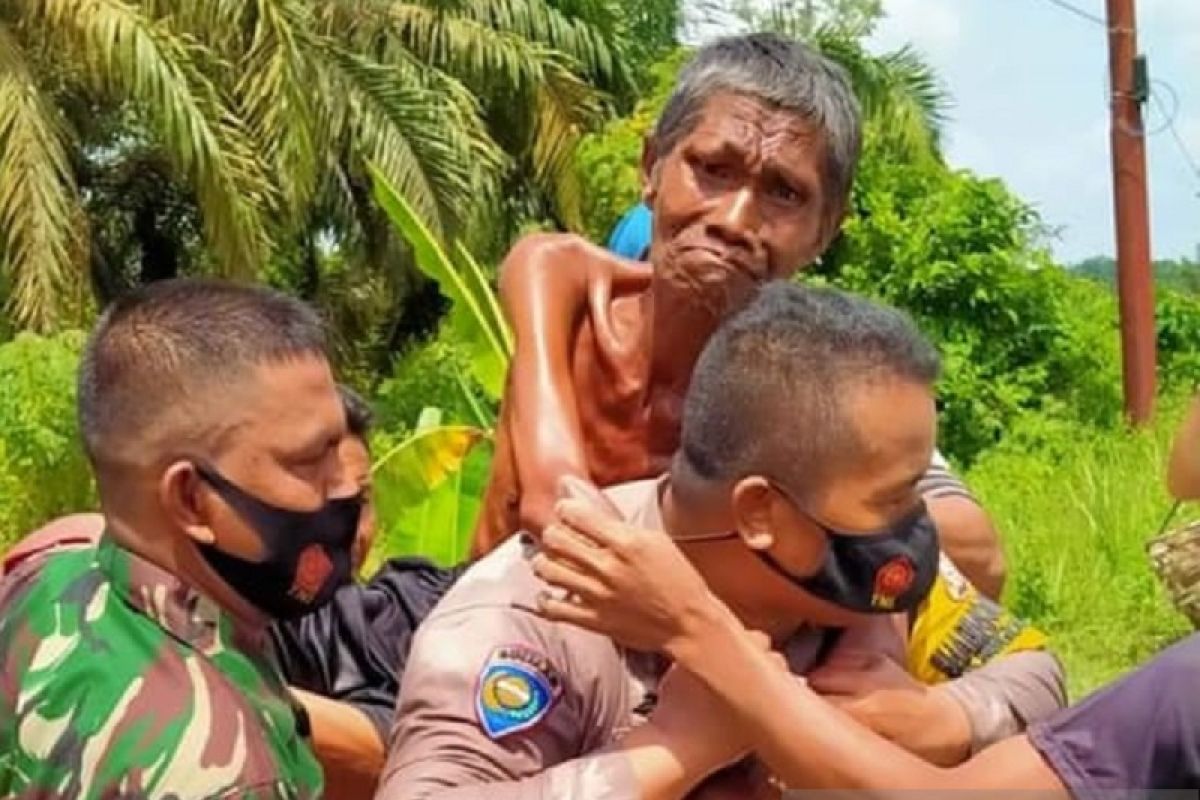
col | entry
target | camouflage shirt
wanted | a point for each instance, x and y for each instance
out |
(118, 680)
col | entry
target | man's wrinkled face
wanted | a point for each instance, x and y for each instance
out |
(281, 446)
(896, 426)
(738, 201)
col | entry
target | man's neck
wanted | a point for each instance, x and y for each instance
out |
(676, 331)
(681, 519)
(175, 554)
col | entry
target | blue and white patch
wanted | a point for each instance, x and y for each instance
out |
(516, 690)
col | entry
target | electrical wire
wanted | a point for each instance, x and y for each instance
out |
(1168, 124)
(1192, 162)
(1079, 12)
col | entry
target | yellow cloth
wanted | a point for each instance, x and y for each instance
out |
(957, 629)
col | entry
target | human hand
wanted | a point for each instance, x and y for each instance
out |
(629, 583)
(880, 694)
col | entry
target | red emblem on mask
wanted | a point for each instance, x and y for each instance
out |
(892, 580)
(312, 570)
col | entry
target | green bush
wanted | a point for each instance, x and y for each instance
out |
(43, 472)
(432, 373)
(609, 162)
(1075, 505)
(1178, 321)
(1017, 333)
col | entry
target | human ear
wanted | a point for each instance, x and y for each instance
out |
(649, 170)
(182, 501)
(751, 502)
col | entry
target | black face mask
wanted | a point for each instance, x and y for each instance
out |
(884, 572)
(306, 554)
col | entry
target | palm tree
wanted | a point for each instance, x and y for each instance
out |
(266, 112)
(904, 103)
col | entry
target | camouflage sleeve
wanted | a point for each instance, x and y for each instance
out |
(97, 700)
(494, 704)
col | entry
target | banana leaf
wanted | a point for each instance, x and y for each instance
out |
(428, 492)
(476, 319)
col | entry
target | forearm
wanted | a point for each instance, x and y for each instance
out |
(346, 743)
(803, 739)
(663, 770)
(644, 765)
(969, 538)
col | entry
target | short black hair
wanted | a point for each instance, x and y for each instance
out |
(159, 351)
(359, 416)
(767, 394)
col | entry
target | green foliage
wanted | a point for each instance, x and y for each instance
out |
(650, 32)
(476, 321)
(802, 19)
(957, 253)
(610, 160)
(1075, 505)
(431, 485)
(260, 117)
(428, 490)
(43, 471)
(1181, 274)
(433, 373)
(1177, 317)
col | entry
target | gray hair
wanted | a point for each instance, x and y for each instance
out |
(770, 390)
(779, 72)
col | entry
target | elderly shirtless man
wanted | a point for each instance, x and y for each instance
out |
(745, 184)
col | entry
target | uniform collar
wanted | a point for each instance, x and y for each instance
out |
(175, 605)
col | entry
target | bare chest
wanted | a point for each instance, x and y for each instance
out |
(630, 429)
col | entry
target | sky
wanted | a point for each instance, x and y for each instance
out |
(1028, 82)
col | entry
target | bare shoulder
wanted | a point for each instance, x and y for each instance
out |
(538, 250)
(566, 257)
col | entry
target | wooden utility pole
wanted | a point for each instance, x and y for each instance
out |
(1135, 280)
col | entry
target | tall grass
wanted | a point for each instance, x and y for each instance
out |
(1076, 507)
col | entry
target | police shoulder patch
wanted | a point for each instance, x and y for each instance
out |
(516, 690)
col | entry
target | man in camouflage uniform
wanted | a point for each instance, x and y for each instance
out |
(137, 667)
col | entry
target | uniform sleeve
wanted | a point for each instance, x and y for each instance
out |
(1004, 696)
(495, 697)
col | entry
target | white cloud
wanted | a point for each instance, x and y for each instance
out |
(934, 26)
(1173, 23)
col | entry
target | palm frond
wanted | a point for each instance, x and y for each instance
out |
(538, 21)
(543, 106)
(903, 102)
(564, 111)
(220, 24)
(421, 130)
(428, 28)
(273, 95)
(39, 238)
(134, 56)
